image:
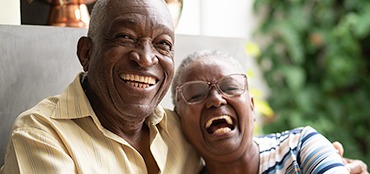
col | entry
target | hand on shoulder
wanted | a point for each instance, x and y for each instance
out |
(354, 166)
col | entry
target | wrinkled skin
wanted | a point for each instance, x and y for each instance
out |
(136, 38)
(235, 146)
(224, 150)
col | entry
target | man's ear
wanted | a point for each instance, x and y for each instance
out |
(84, 47)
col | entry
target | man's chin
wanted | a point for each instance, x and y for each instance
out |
(138, 110)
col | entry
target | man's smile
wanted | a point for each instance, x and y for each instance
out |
(139, 81)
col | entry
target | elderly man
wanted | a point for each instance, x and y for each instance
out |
(108, 119)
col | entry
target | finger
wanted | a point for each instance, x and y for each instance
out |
(338, 146)
(357, 166)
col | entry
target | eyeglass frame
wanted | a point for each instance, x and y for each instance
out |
(210, 85)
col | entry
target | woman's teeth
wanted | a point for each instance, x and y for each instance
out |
(227, 118)
(219, 125)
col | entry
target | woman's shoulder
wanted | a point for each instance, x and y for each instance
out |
(284, 135)
(290, 138)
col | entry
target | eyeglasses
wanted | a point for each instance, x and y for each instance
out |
(194, 92)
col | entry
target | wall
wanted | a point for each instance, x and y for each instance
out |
(35, 62)
(220, 18)
(10, 12)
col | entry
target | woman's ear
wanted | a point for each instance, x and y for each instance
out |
(252, 103)
(84, 47)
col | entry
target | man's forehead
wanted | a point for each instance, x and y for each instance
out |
(157, 7)
(135, 11)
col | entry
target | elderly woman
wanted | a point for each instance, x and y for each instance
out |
(216, 110)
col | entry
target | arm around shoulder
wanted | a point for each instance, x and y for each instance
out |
(317, 154)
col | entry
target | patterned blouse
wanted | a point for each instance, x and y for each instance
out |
(297, 151)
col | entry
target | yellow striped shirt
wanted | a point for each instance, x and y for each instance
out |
(62, 134)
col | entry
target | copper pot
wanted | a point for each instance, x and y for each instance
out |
(74, 13)
(69, 13)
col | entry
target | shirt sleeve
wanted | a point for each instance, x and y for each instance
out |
(317, 155)
(33, 150)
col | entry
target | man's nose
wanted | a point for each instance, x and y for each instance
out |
(214, 98)
(145, 54)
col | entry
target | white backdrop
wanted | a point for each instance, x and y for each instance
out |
(221, 18)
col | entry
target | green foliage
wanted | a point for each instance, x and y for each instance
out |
(315, 56)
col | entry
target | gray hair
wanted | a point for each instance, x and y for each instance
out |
(215, 54)
(98, 14)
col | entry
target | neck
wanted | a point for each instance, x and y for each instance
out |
(132, 129)
(246, 163)
(129, 128)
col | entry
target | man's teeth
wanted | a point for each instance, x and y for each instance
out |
(138, 85)
(137, 78)
(225, 117)
(138, 81)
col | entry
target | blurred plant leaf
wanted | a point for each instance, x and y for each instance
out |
(315, 58)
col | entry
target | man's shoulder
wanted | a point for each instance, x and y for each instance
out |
(172, 116)
(41, 112)
(170, 113)
(173, 124)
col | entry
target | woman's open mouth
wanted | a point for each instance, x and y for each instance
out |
(220, 125)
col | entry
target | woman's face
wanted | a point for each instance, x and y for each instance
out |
(219, 127)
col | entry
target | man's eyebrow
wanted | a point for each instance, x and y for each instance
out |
(166, 29)
(127, 20)
(132, 20)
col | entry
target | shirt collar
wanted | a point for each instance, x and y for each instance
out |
(73, 102)
(159, 117)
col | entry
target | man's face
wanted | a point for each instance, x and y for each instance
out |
(219, 127)
(131, 61)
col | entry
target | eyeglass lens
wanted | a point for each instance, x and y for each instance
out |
(228, 86)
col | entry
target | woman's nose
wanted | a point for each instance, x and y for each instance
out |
(215, 98)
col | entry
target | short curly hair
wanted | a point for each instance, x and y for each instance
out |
(215, 54)
(98, 14)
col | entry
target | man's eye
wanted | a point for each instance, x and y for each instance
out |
(164, 45)
(125, 37)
